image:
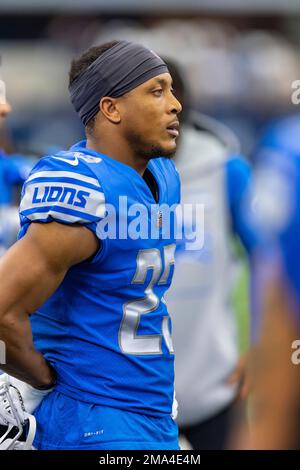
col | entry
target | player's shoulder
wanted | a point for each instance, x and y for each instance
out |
(67, 164)
(63, 187)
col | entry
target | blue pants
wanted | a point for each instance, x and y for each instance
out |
(67, 424)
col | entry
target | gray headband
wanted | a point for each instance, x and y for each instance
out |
(120, 69)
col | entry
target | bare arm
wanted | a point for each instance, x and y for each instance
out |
(276, 380)
(30, 272)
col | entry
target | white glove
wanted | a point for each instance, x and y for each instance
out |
(13, 415)
(30, 396)
(12, 411)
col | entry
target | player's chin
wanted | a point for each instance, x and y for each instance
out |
(169, 148)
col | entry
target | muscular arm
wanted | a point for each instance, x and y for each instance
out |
(30, 272)
(276, 380)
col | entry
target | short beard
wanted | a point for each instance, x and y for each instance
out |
(147, 150)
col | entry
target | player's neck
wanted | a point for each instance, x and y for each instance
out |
(122, 153)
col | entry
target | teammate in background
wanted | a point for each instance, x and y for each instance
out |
(208, 372)
(99, 338)
(5, 107)
(274, 208)
(13, 172)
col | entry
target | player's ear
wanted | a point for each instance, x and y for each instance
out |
(108, 106)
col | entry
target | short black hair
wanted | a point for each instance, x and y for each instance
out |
(78, 66)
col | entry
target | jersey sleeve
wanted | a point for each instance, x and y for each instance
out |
(58, 191)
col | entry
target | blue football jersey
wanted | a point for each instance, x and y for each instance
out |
(106, 329)
(275, 203)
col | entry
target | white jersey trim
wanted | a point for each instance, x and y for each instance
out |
(64, 174)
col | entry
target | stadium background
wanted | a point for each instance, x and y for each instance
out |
(240, 59)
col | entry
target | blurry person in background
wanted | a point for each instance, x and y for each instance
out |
(274, 210)
(5, 109)
(13, 171)
(208, 373)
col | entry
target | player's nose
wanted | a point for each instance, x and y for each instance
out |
(175, 105)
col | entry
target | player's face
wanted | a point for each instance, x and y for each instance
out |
(149, 117)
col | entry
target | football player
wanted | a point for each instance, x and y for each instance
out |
(82, 311)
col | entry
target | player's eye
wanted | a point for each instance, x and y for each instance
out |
(157, 92)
